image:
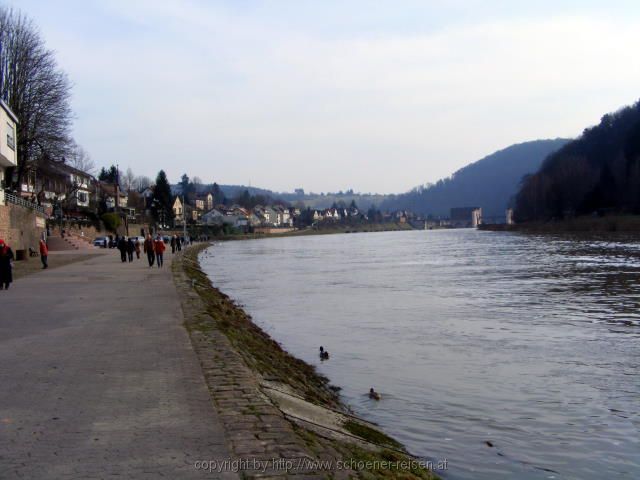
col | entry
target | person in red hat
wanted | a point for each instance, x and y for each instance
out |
(6, 265)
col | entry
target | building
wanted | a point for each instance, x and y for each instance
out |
(113, 197)
(466, 217)
(212, 217)
(8, 146)
(61, 186)
(178, 210)
(22, 222)
(509, 216)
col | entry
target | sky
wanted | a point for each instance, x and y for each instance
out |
(329, 95)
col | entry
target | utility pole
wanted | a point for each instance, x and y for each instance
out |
(184, 219)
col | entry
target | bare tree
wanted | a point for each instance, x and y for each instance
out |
(79, 158)
(128, 180)
(197, 184)
(141, 183)
(36, 90)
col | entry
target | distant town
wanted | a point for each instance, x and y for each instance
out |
(60, 194)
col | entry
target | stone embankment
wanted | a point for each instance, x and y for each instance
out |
(272, 405)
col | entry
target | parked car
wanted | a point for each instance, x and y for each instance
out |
(101, 242)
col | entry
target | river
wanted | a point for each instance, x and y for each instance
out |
(528, 342)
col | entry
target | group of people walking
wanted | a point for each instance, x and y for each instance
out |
(154, 250)
(153, 247)
(127, 248)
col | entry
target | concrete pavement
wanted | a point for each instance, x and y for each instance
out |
(98, 377)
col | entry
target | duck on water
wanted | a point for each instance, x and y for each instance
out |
(324, 355)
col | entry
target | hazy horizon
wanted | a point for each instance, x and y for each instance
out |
(372, 96)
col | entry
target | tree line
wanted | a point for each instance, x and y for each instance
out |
(597, 173)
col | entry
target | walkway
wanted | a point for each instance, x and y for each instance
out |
(98, 377)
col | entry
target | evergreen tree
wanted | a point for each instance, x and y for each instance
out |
(162, 198)
(184, 184)
(109, 176)
(218, 195)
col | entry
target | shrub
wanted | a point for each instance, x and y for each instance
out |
(111, 221)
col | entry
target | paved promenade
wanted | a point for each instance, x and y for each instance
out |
(98, 378)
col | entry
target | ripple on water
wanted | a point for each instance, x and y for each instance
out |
(527, 341)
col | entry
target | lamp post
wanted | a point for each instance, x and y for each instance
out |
(184, 219)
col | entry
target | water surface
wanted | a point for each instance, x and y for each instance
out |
(529, 342)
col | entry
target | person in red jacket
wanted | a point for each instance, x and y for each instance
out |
(159, 247)
(44, 253)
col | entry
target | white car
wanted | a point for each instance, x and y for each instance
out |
(101, 242)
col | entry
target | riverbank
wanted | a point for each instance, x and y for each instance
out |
(606, 224)
(273, 404)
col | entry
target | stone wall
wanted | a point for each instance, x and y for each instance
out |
(86, 231)
(20, 227)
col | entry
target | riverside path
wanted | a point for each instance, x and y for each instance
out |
(98, 378)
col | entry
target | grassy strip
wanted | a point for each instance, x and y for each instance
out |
(369, 464)
(370, 434)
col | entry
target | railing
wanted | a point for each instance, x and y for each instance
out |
(18, 200)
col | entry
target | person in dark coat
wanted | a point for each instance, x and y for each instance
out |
(6, 265)
(131, 247)
(149, 250)
(173, 244)
(122, 246)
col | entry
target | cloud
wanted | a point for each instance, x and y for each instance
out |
(238, 93)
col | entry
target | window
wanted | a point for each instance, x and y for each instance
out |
(11, 139)
(83, 197)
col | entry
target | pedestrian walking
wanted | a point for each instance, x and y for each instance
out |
(131, 247)
(159, 249)
(173, 244)
(44, 253)
(6, 265)
(179, 243)
(137, 246)
(122, 246)
(149, 250)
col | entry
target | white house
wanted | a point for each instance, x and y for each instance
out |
(212, 217)
(8, 145)
(178, 210)
(283, 215)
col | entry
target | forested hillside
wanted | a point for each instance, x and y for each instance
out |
(489, 183)
(598, 172)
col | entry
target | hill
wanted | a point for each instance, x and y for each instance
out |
(489, 183)
(312, 200)
(597, 172)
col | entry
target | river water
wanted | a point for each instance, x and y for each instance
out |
(528, 342)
